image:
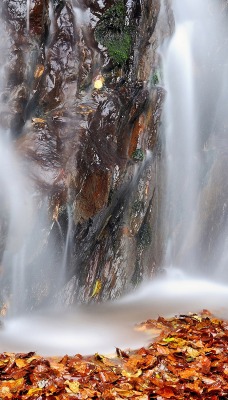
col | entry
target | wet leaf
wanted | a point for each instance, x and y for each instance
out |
(132, 375)
(192, 352)
(73, 386)
(97, 288)
(121, 353)
(166, 392)
(187, 373)
(38, 121)
(5, 392)
(20, 363)
(98, 82)
(34, 391)
(13, 385)
(39, 71)
(169, 339)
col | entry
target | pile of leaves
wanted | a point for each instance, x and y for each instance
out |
(188, 360)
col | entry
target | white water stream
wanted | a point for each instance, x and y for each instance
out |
(196, 80)
(196, 124)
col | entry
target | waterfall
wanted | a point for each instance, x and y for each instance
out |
(195, 67)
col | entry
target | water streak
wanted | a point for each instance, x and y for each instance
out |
(195, 120)
(28, 16)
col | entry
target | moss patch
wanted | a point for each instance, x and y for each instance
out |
(137, 155)
(112, 32)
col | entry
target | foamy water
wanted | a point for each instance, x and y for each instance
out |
(101, 328)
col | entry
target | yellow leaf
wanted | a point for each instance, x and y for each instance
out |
(34, 391)
(97, 288)
(73, 386)
(38, 120)
(4, 362)
(197, 317)
(125, 393)
(5, 390)
(192, 352)
(39, 71)
(99, 82)
(169, 339)
(20, 363)
(131, 375)
(16, 384)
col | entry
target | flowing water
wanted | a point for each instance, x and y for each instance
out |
(195, 76)
(103, 327)
(195, 124)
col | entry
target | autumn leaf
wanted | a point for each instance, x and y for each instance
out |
(73, 387)
(193, 353)
(188, 373)
(20, 363)
(39, 71)
(34, 391)
(132, 375)
(169, 339)
(97, 288)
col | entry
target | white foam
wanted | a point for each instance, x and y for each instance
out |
(101, 328)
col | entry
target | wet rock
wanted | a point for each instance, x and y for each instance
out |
(78, 138)
(93, 196)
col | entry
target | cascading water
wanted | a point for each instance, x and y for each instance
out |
(16, 205)
(25, 226)
(195, 211)
(195, 76)
(18, 209)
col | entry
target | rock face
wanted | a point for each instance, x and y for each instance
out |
(83, 101)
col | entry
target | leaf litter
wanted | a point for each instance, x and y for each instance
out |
(187, 360)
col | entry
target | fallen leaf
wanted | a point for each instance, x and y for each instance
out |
(73, 386)
(132, 375)
(39, 71)
(97, 288)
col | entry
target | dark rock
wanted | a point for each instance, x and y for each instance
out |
(78, 137)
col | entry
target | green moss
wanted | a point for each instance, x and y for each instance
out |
(112, 32)
(156, 77)
(119, 49)
(138, 155)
